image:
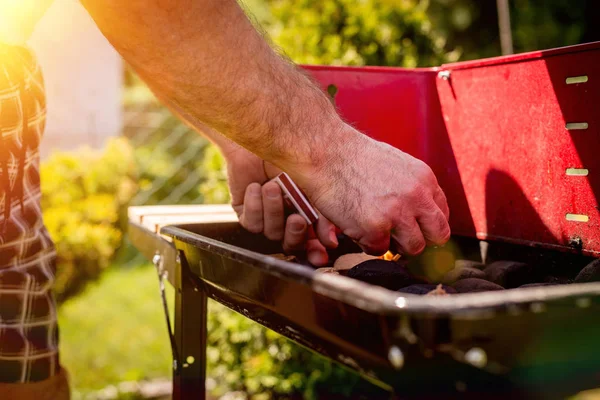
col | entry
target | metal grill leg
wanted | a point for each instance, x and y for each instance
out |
(189, 374)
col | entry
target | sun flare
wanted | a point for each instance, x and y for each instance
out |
(19, 17)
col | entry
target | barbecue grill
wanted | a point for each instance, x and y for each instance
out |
(512, 141)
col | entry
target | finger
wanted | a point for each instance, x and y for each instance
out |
(252, 215)
(274, 217)
(325, 231)
(316, 252)
(434, 226)
(442, 203)
(375, 243)
(408, 238)
(294, 238)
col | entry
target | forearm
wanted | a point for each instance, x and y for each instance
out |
(226, 145)
(206, 58)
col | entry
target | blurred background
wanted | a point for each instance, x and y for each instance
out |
(110, 144)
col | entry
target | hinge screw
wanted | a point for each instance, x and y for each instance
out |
(445, 75)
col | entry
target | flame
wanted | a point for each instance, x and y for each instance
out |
(389, 256)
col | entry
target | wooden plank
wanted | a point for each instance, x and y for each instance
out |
(137, 213)
(155, 217)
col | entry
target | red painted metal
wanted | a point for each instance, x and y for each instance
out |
(495, 135)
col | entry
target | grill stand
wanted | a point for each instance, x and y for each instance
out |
(188, 333)
(189, 375)
(188, 342)
(344, 316)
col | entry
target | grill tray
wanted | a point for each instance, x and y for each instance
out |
(535, 342)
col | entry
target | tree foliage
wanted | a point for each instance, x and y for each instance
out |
(357, 32)
(472, 26)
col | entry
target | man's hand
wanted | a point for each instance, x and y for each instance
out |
(260, 208)
(204, 58)
(379, 196)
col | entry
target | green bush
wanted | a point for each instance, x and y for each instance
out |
(243, 355)
(214, 189)
(84, 198)
(350, 32)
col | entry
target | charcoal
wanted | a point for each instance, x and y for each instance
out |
(590, 273)
(509, 274)
(424, 288)
(468, 264)
(349, 261)
(389, 274)
(473, 285)
(462, 273)
(538, 284)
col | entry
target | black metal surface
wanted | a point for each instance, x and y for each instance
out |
(189, 374)
(188, 341)
(162, 275)
(539, 342)
(150, 244)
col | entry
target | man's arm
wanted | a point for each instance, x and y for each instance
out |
(261, 208)
(206, 58)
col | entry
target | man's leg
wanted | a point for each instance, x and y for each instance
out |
(54, 388)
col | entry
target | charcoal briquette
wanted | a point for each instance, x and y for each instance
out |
(590, 273)
(389, 274)
(509, 274)
(351, 260)
(462, 273)
(468, 264)
(473, 285)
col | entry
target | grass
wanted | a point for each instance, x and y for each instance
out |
(115, 331)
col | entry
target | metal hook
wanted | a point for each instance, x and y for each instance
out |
(162, 276)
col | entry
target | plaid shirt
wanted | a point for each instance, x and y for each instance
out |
(28, 328)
